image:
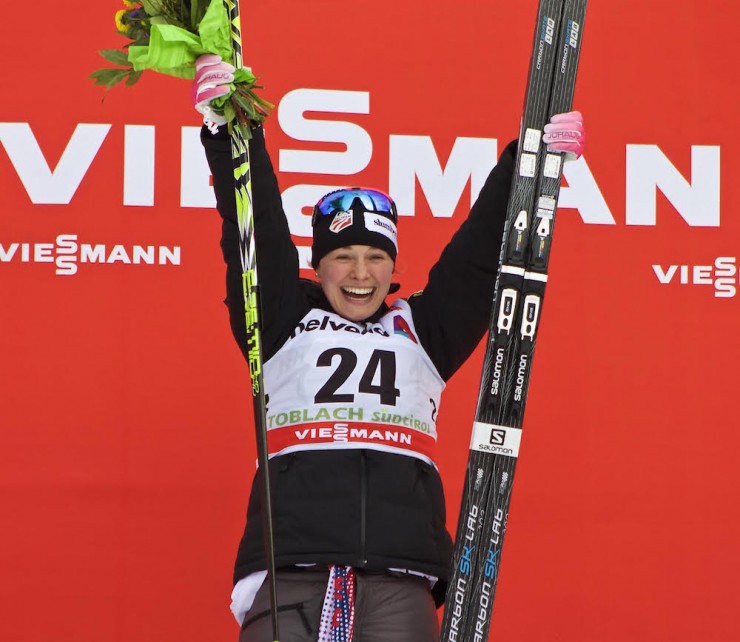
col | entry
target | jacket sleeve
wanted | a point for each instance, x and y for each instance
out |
(277, 259)
(452, 313)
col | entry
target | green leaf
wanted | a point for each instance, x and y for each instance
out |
(197, 11)
(109, 77)
(116, 56)
(133, 77)
(152, 7)
(229, 112)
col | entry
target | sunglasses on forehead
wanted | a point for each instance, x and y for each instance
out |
(341, 200)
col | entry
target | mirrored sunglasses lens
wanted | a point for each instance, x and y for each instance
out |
(380, 202)
(334, 203)
(341, 201)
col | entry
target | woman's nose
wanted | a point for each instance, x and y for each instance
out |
(359, 269)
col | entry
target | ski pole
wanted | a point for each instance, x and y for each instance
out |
(250, 289)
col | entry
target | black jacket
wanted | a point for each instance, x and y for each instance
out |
(362, 508)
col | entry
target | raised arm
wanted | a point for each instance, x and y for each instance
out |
(277, 259)
(453, 311)
(451, 314)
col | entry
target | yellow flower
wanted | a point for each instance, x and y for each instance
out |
(120, 24)
(131, 4)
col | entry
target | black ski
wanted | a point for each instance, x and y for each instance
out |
(517, 307)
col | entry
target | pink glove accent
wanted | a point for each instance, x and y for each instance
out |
(565, 133)
(212, 77)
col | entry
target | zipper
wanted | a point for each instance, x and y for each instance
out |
(363, 506)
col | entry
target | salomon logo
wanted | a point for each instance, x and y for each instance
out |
(498, 437)
(497, 371)
(519, 390)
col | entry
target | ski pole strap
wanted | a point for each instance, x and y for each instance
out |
(338, 612)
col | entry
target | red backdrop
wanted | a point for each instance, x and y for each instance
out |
(126, 431)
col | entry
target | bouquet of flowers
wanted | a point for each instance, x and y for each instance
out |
(167, 36)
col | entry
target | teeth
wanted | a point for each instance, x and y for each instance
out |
(359, 291)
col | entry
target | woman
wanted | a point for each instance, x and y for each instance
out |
(353, 387)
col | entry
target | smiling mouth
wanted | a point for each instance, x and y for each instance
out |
(358, 293)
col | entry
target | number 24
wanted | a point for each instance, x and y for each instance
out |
(380, 360)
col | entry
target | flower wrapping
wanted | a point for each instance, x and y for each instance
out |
(167, 36)
(172, 50)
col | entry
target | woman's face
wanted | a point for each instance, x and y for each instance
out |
(355, 280)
